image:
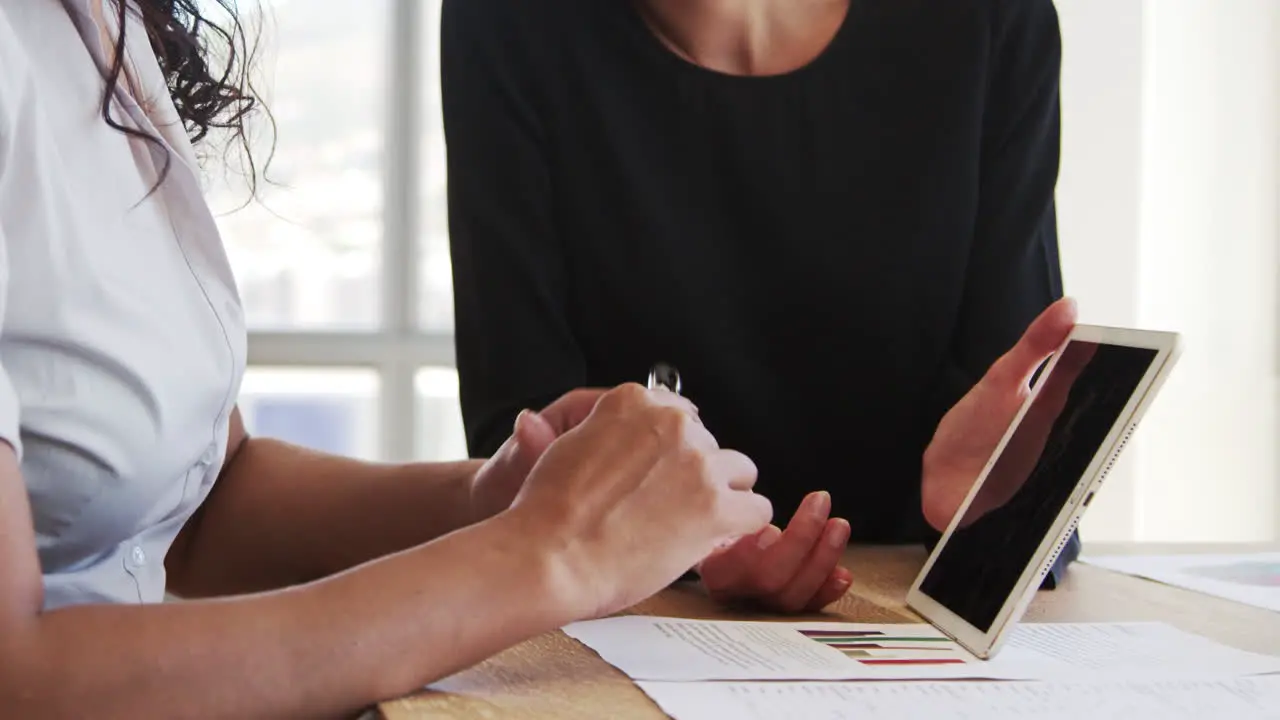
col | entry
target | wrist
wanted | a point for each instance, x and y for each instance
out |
(451, 485)
(937, 504)
(558, 574)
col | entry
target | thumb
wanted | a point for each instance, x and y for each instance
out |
(533, 435)
(1041, 339)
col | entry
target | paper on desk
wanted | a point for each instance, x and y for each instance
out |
(1238, 699)
(670, 649)
(1253, 579)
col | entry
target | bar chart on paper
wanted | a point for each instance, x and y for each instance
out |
(659, 649)
(878, 648)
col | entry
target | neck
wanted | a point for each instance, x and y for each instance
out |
(746, 37)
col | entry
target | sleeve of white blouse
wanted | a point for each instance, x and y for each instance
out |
(10, 71)
(8, 396)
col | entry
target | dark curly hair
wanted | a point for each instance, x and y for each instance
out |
(206, 63)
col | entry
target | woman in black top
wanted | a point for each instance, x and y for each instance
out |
(831, 215)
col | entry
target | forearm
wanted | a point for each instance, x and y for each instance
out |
(321, 650)
(950, 384)
(282, 515)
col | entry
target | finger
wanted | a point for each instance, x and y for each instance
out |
(745, 513)
(571, 409)
(628, 397)
(821, 561)
(698, 436)
(670, 399)
(668, 414)
(784, 558)
(533, 435)
(836, 585)
(733, 469)
(676, 419)
(1041, 339)
(725, 572)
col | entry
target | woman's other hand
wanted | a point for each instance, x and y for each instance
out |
(792, 570)
(970, 431)
(635, 495)
(496, 483)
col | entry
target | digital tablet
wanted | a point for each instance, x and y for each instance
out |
(1030, 496)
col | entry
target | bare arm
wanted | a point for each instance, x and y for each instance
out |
(323, 649)
(615, 510)
(280, 515)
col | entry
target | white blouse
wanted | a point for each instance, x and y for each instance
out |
(122, 340)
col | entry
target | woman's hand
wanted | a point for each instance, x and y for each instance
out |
(790, 570)
(496, 483)
(970, 431)
(635, 495)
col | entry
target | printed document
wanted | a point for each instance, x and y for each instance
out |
(1252, 579)
(671, 649)
(1239, 699)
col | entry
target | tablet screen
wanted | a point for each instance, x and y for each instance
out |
(978, 568)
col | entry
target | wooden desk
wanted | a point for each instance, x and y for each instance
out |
(555, 677)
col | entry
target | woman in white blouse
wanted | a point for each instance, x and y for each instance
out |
(125, 470)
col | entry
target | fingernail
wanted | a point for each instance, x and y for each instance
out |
(842, 585)
(768, 536)
(838, 535)
(519, 419)
(821, 503)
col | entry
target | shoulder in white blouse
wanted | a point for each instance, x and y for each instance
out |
(122, 340)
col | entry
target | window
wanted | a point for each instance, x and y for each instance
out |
(1169, 219)
(343, 265)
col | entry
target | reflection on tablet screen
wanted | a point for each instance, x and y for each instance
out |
(1033, 478)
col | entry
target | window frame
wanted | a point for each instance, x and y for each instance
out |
(397, 347)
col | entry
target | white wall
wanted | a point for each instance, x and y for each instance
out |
(1099, 193)
(1170, 218)
(1210, 227)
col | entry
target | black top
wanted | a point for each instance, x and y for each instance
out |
(830, 257)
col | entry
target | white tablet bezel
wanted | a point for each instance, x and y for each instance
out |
(986, 644)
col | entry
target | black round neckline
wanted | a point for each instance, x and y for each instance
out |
(654, 46)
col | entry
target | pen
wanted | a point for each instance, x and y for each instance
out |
(664, 376)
